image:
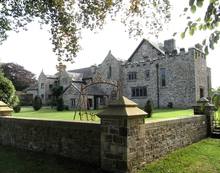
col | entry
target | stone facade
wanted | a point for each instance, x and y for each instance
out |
(153, 71)
(45, 83)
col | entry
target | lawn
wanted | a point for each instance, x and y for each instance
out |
(200, 157)
(68, 115)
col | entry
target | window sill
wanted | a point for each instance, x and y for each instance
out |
(140, 97)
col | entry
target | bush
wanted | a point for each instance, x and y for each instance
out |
(170, 105)
(37, 104)
(60, 105)
(149, 107)
(17, 108)
(66, 107)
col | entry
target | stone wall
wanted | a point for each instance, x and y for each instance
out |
(118, 145)
(164, 136)
(77, 140)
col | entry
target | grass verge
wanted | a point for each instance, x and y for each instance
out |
(68, 114)
(21, 161)
(201, 157)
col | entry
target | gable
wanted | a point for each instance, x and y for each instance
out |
(146, 50)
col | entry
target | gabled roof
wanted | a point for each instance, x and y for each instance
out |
(75, 76)
(32, 87)
(86, 72)
(94, 90)
(91, 90)
(157, 46)
(52, 76)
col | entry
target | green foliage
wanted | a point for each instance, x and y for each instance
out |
(149, 107)
(216, 101)
(60, 104)
(18, 75)
(211, 21)
(57, 91)
(17, 108)
(37, 104)
(67, 18)
(7, 92)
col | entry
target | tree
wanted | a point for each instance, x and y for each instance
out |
(37, 104)
(20, 77)
(60, 104)
(216, 92)
(67, 18)
(57, 91)
(149, 107)
(210, 22)
(7, 91)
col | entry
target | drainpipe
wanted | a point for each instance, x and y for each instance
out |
(158, 97)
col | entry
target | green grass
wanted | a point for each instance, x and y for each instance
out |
(13, 160)
(68, 114)
(200, 157)
(51, 114)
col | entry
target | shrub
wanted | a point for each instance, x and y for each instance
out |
(149, 108)
(37, 104)
(60, 105)
(66, 107)
(17, 108)
(170, 105)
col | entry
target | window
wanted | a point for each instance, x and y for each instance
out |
(64, 80)
(148, 74)
(42, 86)
(72, 102)
(201, 92)
(55, 83)
(132, 76)
(139, 91)
(102, 101)
(50, 86)
(42, 96)
(163, 78)
(49, 97)
(109, 72)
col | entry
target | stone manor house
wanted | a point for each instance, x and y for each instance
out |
(153, 71)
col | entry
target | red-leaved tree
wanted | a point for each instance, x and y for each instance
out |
(20, 77)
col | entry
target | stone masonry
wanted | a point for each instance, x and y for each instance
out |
(123, 142)
(154, 71)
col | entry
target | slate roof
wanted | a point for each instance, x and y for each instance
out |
(86, 72)
(75, 76)
(32, 87)
(52, 76)
(157, 46)
(91, 90)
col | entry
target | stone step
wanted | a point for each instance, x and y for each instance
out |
(215, 135)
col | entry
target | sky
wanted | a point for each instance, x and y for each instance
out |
(33, 50)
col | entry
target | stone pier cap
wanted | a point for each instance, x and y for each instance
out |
(4, 109)
(122, 108)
